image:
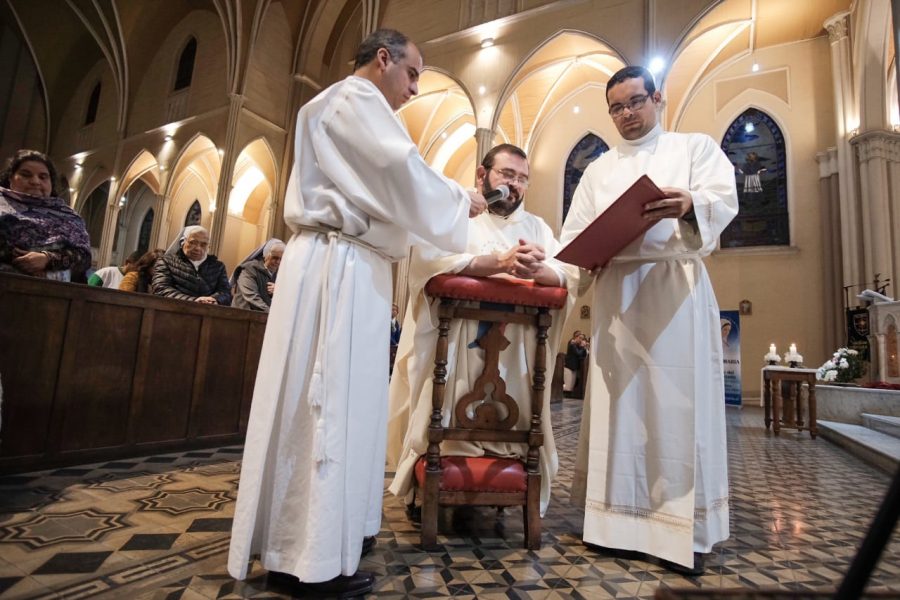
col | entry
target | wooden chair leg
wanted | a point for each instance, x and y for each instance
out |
(532, 513)
(430, 510)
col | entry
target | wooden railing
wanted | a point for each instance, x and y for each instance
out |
(92, 374)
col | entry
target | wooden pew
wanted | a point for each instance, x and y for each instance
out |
(92, 374)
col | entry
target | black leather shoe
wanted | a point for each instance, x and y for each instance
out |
(368, 543)
(342, 586)
(617, 552)
(697, 570)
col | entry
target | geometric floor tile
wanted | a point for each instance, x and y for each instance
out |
(210, 525)
(150, 541)
(73, 562)
(8, 582)
(185, 501)
(48, 529)
(798, 509)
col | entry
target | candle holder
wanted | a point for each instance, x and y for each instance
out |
(772, 358)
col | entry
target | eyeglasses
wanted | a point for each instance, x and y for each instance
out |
(197, 244)
(512, 177)
(636, 103)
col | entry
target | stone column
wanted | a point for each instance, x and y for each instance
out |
(370, 17)
(484, 137)
(223, 191)
(874, 149)
(110, 223)
(831, 248)
(838, 28)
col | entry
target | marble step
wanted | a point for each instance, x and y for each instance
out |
(875, 447)
(882, 423)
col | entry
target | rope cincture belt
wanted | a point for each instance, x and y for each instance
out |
(318, 393)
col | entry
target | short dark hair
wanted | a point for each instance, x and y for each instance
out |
(632, 72)
(488, 161)
(25, 155)
(390, 39)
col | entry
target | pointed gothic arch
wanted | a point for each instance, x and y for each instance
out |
(586, 150)
(756, 147)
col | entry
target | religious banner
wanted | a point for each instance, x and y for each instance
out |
(730, 321)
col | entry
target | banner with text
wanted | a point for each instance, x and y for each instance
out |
(730, 321)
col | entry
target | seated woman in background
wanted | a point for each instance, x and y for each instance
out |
(138, 277)
(40, 234)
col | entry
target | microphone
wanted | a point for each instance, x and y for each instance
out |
(501, 192)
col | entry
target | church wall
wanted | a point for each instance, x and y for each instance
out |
(71, 134)
(208, 89)
(784, 285)
(268, 82)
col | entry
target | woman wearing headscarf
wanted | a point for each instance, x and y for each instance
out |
(40, 234)
(254, 280)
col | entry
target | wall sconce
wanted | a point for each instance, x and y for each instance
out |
(168, 138)
(487, 42)
(78, 166)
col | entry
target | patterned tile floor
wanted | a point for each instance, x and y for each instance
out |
(158, 528)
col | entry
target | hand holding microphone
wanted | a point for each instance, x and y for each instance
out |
(477, 203)
(501, 192)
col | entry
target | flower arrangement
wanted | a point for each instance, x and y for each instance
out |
(843, 367)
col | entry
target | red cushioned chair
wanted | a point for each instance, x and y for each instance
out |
(487, 480)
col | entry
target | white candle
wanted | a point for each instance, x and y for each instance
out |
(771, 348)
(793, 348)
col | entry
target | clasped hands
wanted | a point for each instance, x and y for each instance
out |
(523, 260)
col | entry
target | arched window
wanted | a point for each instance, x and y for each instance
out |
(755, 145)
(193, 214)
(584, 153)
(144, 234)
(93, 103)
(186, 65)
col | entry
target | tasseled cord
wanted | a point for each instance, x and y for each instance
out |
(317, 391)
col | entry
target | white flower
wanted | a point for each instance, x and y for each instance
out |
(830, 376)
(844, 364)
(852, 352)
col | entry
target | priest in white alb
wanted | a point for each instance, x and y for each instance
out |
(651, 468)
(359, 194)
(504, 241)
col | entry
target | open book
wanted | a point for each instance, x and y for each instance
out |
(614, 228)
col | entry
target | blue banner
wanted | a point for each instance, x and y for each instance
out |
(730, 321)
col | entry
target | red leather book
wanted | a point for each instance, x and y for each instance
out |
(614, 228)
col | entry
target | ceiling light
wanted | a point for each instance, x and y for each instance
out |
(576, 109)
(487, 42)
(482, 89)
(656, 65)
(78, 166)
(443, 135)
(168, 138)
(755, 67)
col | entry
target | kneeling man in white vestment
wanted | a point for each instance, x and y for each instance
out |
(651, 467)
(504, 241)
(359, 193)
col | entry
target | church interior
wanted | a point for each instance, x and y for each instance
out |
(160, 115)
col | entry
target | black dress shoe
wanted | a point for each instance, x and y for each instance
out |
(368, 543)
(697, 570)
(617, 552)
(342, 586)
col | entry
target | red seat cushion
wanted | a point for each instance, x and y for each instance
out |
(477, 474)
(520, 292)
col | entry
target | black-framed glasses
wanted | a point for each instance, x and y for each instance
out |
(512, 177)
(636, 103)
